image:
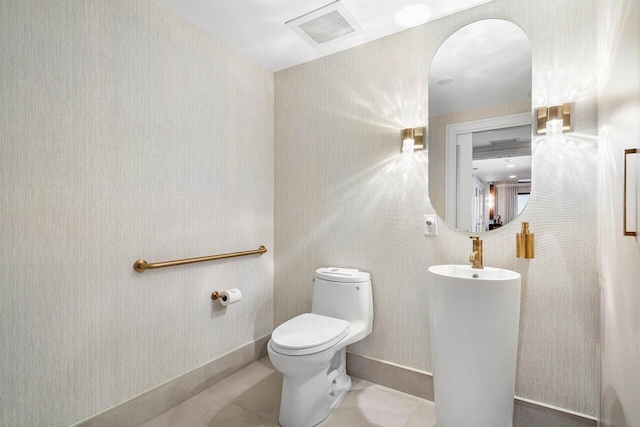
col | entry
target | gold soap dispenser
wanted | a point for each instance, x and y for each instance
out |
(524, 242)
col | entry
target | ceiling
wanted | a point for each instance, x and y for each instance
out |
(257, 28)
(490, 64)
(496, 169)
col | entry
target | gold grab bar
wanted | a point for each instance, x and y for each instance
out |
(142, 265)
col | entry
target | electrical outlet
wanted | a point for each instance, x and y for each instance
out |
(430, 225)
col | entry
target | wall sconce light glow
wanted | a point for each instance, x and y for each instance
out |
(510, 163)
(490, 201)
(408, 146)
(556, 117)
(512, 176)
(412, 136)
(555, 87)
(412, 141)
(554, 99)
(413, 15)
(410, 113)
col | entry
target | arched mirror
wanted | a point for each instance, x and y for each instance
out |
(480, 131)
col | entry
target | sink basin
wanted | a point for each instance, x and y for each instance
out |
(475, 314)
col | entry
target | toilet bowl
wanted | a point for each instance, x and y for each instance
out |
(310, 349)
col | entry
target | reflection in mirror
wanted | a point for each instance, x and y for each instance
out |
(480, 126)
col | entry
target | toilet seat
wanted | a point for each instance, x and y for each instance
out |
(308, 333)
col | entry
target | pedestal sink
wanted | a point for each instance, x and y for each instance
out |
(475, 315)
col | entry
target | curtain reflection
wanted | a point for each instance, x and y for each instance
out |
(506, 200)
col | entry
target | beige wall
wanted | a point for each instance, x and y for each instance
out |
(437, 138)
(125, 133)
(619, 122)
(343, 199)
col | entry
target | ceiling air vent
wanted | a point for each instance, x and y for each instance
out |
(506, 141)
(329, 23)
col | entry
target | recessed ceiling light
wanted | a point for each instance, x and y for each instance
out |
(413, 15)
(445, 82)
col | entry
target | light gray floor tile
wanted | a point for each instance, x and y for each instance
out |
(400, 393)
(423, 416)
(370, 405)
(235, 361)
(244, 380)
(240, 417)
(263, 398)
(208, 410)
(185, 413)
(265, 361)
(358, 384)
(251, 398)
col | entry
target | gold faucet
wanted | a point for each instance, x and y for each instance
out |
(476, 255)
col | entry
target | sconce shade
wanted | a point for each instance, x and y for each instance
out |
(407, 134)
(555, 113)
(415, 134)
(552, 113)
(556, 117)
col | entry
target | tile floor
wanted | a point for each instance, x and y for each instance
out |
(251, 397)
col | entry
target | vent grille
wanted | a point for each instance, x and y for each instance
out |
(500, 149)
(324, 25)
(327, 27)
(506, 141)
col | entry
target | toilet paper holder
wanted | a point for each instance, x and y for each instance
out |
(227, 296)
(216, 295)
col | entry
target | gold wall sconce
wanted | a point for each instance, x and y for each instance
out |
(413, 136)
(554, 113)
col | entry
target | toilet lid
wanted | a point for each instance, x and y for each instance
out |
(308, 331)
(342, 275)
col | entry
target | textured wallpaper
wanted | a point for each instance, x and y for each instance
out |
(125, 133)
(343, 199)
(618, 119)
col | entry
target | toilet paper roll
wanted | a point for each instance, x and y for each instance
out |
(230, 296)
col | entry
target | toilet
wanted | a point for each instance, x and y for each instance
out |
(310, 349)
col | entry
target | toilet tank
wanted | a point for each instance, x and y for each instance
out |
(343, 293)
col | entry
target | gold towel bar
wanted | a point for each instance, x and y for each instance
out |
(142, 265)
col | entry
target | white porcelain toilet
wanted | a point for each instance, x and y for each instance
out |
(310, 350)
